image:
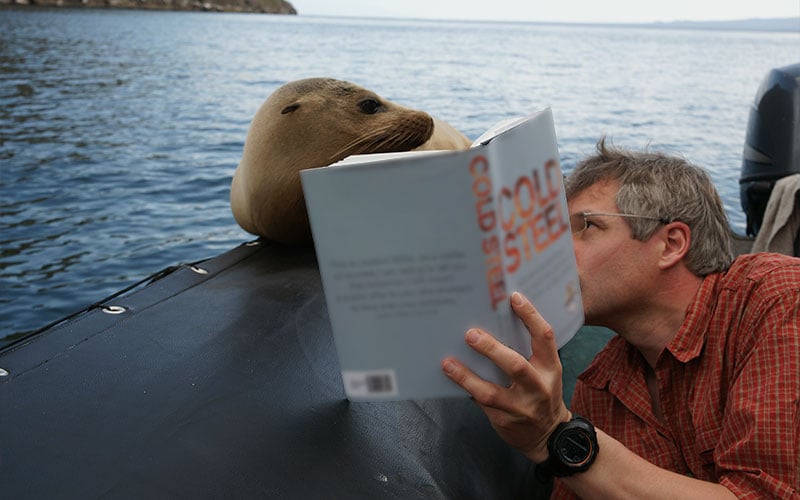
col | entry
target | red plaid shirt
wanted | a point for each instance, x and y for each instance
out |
(729, 384)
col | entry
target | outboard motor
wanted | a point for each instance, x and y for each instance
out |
(772, 145)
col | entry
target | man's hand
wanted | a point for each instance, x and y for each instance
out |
(525, 413)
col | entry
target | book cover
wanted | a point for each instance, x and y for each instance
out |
(415, 248)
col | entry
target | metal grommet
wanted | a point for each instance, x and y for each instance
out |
(3, 373)
(114, 309)
(198, 270)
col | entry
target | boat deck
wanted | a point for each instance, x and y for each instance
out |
(221, 380)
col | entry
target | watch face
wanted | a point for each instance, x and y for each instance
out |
(575, 447)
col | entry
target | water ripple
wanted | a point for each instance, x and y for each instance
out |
(120, 130)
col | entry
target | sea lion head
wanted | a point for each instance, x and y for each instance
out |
(313, 123)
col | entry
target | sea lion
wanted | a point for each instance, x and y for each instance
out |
(313, 123)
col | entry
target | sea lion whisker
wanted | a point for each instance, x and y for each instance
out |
(388, 138)
(359, 142)
(363, 143)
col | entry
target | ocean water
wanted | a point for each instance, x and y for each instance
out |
(120, 130)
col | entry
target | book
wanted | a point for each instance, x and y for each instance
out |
(415, 248)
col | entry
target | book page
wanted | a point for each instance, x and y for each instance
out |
(498, 129)
(375, 157)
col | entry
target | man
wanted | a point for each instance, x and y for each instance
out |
(699, 394)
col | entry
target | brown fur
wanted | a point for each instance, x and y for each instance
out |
(313, 123)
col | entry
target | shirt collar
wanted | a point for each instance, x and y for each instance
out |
(688, 343)
(618, 357)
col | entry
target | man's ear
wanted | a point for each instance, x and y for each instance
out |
(676, 238)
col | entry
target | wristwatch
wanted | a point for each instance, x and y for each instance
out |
(572, 447)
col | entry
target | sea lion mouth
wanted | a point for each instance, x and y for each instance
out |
(391, 138)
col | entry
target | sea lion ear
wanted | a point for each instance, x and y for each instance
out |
(288, 109)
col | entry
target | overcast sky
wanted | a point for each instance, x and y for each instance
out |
(588, 11)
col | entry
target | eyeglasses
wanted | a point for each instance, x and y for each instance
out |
(579, 222)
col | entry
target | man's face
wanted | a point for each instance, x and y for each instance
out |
(616, 271)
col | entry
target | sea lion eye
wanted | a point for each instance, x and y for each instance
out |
(369, 106)
(289, 109)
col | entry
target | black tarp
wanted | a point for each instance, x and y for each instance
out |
(226, 385)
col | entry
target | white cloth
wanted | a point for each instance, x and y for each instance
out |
(781, 225)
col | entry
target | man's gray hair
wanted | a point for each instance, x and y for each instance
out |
(666, 187)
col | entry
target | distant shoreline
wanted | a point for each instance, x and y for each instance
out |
(774, 25)
(243, 6)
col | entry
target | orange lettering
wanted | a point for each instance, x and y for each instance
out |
(512, 252)
(507, 224)
(523, 182)
(497, 285)
(486, 216)
(482, 190)
(553, 178)
(479, 162)
(491, 246)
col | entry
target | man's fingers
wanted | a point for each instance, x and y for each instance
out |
(543, 340)
(483, 392)
(507, 359)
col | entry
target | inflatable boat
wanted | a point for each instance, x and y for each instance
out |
(219, 379)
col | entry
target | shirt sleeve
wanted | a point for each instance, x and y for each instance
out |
(758, 455)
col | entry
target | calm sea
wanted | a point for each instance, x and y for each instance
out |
(120, 130)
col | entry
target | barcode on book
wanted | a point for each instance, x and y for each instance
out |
(359, 384)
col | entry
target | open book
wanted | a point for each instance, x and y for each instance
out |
(415, 248)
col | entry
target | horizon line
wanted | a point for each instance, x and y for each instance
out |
(765, 24)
